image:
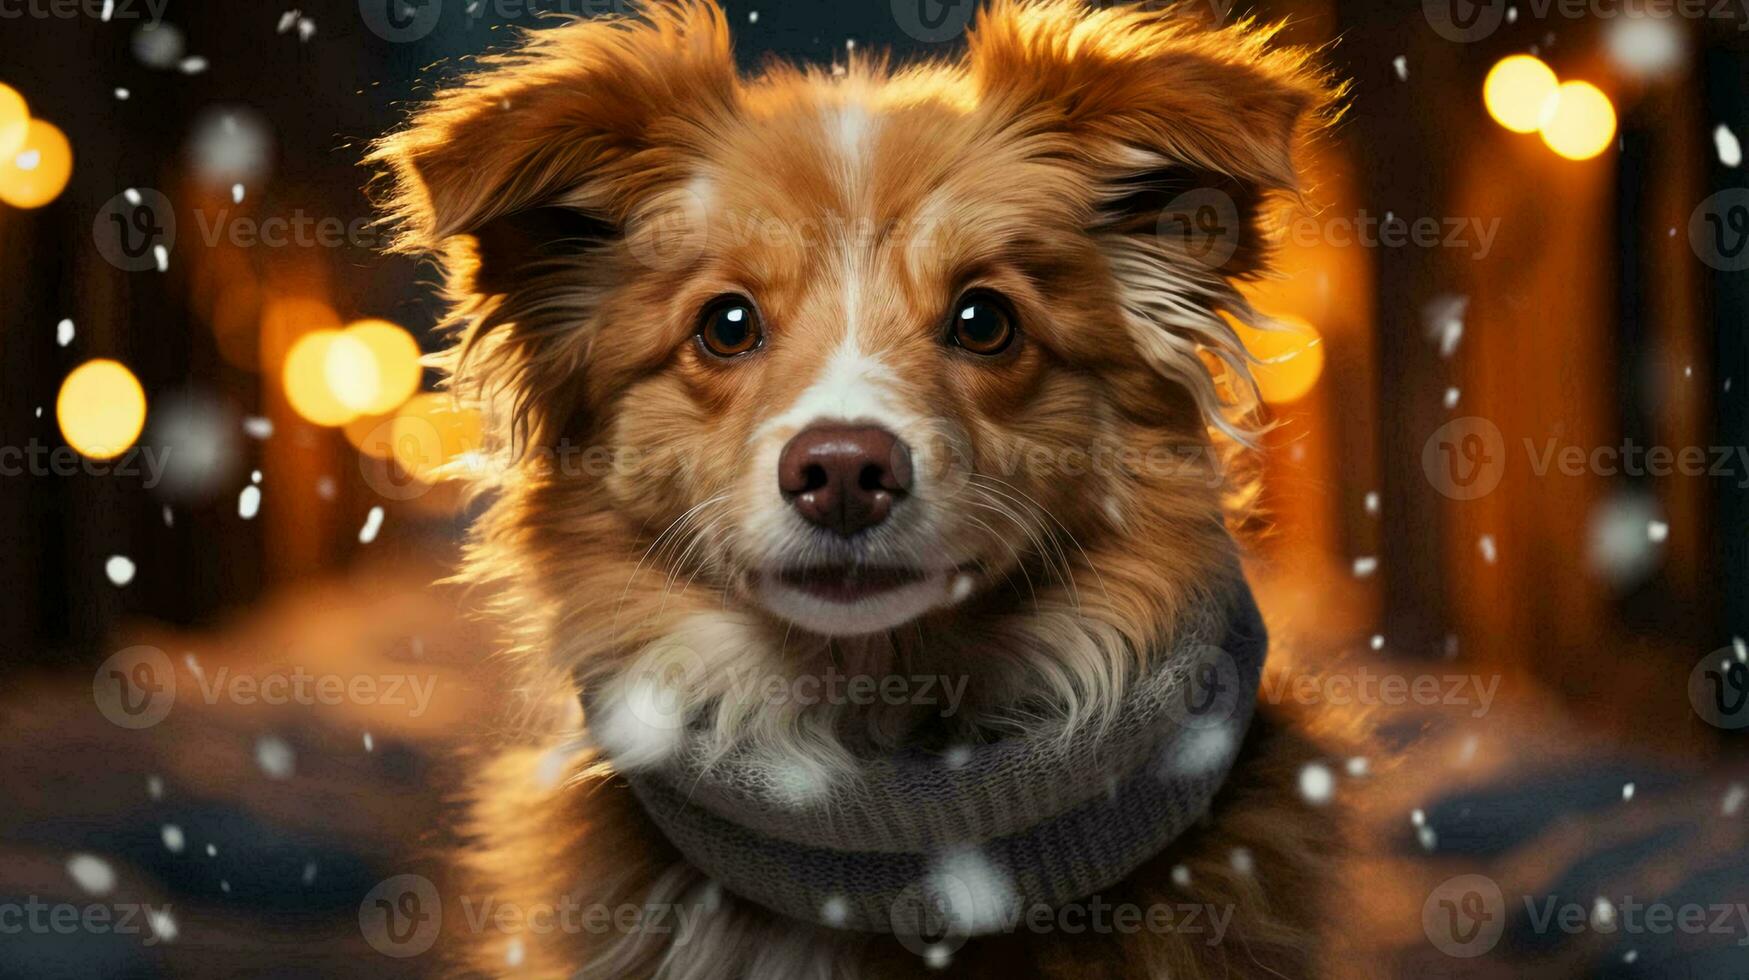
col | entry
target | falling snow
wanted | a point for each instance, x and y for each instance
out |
(91, 873)
(1725, 141)
(1486, 544)
(64, 333)
(1365, 565)
(275, 757)
(1317, 783)
(1732, 804)
(249, 502)
(1401, 65)
(120, 570)
(174, 841)
(373, 522)
(1444, 320)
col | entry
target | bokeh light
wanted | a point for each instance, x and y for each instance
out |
(14, 121)
(101, 408)
(350, 370)
(306, 378)
(36, 173)
(431, 432)
(394, 356)
(1292, 358)
(1581, 123)
(1518, 91)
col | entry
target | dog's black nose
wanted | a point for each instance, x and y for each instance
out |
(844, 478)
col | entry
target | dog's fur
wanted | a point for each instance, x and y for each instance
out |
(591, 191)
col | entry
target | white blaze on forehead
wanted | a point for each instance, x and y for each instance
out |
(851, 127)
(854, 387)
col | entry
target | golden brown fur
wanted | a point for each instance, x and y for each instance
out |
(590, 191)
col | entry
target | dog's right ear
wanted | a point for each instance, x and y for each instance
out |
(555, 142)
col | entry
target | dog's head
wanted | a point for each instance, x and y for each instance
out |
(934, 355)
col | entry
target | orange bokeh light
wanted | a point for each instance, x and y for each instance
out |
(37, 171)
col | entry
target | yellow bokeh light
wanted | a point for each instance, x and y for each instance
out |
(395, 358)
(306, 380)
(1581, 123)
(35, 173)
(350, 369)
(431, 432)
(1518, 92)
(101, 408)
(14, 121)
(1292, 358)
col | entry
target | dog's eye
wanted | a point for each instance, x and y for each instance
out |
(729, 327)
(981, 324)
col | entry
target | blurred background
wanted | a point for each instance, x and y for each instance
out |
(1512, 459)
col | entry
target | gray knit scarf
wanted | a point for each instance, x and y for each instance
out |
(968, 841)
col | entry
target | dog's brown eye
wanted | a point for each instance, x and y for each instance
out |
(981, 324)
(729, 327)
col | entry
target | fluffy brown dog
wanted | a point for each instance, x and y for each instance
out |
(885, 373)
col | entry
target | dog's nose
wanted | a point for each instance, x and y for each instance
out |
(844, 478)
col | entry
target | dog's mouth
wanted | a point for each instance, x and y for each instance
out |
(847, 583)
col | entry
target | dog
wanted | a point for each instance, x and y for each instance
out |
(858, 413)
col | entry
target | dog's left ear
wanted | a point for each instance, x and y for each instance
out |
(1154, 106)
(1183, 134)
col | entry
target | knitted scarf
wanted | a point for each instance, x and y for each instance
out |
(967, 841)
